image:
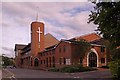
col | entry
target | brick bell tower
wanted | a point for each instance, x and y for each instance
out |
(37, 37)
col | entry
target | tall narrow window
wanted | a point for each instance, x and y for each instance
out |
(50, 61)
(31, 62)
(53, 60)
(44, 61)
(47, 62)
(36, 62)
(102, 60)
(102, 49)
(64, 48)
(80, 60)
(60, 49)
(60, 61)
(41, 61)
(64, 60)
(41, 54)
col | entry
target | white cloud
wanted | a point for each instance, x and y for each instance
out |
(44, 0)
(59, 20)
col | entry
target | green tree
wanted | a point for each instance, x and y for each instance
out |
(7, 61)
(107, 16)
(0, 61)
(82, 46)
(115, 69)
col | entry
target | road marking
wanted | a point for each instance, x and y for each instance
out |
(13, 78)
(77, 77)
(11, 74)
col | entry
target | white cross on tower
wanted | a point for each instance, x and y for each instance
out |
(39, 32)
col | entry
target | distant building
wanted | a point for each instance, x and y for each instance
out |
(45, 51)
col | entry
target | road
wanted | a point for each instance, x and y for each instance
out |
(36, 74)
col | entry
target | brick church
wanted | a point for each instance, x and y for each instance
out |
(45, 51)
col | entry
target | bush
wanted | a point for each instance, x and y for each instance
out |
(80, 68)
(89, 69)
(54, 69)
(72, 69)
(76, 68)
(115, 68)
(69, 69)
(107, 67)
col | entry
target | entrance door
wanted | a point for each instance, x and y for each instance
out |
(92, 60)
(36, 62)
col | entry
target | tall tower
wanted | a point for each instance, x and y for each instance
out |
(37, 37)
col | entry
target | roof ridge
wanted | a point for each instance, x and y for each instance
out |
(52, 36)
(20, 44)
(88, 34)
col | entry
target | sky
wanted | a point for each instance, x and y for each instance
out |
(64, 20)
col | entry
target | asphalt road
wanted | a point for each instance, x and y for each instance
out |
(38, 74)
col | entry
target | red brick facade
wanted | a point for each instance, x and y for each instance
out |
(40, 55)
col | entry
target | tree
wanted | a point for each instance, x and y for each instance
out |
(82, 46)
(0, 62)
(115, 69)
(107, 16)
(7, 61)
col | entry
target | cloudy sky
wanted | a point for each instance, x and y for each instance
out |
(63, 20)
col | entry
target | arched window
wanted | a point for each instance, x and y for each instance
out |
(92, 59)
(36, 62)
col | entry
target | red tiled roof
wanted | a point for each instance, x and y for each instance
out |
(89, 37)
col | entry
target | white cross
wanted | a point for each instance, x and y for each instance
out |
(39, 32)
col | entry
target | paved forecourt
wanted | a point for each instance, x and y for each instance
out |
(27, 73)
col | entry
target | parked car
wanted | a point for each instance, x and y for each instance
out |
(11, 67)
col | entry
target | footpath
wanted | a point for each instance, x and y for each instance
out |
(7, 75)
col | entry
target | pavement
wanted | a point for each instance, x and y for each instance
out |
(0, 74)
(6, 74)
(24, 74)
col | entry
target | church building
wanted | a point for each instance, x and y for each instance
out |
(45, 51)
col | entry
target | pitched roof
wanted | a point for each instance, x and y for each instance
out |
(19, 46)
(50, 40)
(88, 37)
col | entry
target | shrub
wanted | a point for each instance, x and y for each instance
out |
(115, 68)
(80, 68)
(72, 69)
(76, 68)
(69, 69)
(107, 67)
(54, 69)
(89, 69)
